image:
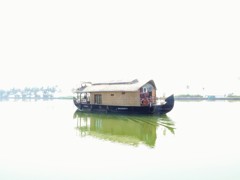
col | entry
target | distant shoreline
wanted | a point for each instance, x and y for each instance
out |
(177, 98)
(208, 99)
(36, 99)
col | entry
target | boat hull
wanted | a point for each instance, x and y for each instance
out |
(154, 109)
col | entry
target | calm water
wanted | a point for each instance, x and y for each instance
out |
(50, 140)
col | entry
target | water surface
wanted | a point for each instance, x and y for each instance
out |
(51, 140)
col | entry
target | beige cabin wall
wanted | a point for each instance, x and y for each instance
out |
(118, 98)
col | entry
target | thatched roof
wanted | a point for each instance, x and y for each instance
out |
(115, 86)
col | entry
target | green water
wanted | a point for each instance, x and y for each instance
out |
(127, 129)
(51, 140)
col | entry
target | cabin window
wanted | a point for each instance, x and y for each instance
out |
(144, 90)
(98, 99)
(112, 94)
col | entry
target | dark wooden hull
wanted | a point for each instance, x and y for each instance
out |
(155, 109)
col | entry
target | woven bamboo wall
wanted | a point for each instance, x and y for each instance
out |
(118, 98)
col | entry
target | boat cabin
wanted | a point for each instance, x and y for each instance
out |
(117, 93)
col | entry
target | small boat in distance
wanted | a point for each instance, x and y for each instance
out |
(121, 97)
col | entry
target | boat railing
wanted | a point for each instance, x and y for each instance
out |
(148, 101)
(82, 100)
(85, 102)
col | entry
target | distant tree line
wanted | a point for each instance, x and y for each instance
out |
(230, 96)
(29, 93)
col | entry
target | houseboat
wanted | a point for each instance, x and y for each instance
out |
(121, 97)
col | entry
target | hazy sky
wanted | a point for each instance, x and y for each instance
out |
(176, 43)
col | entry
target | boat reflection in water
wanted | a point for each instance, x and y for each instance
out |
(127, 129)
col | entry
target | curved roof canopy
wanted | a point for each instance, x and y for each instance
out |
(113, 86)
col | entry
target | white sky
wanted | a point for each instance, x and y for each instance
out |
(176, 43)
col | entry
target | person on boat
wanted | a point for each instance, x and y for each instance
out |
(150, 101)
(145, 101)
